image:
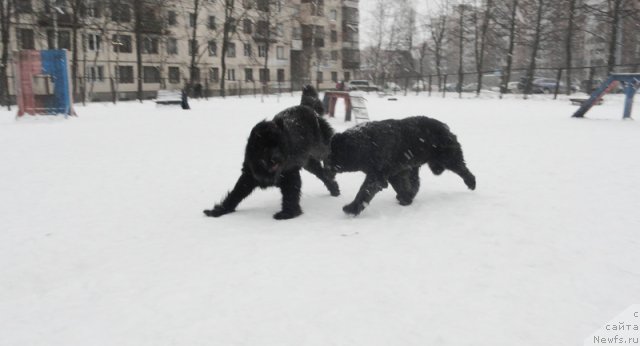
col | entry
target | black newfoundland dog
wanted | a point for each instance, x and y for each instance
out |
(276, 151)
(392, 151)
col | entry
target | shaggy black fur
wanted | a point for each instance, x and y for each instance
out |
(310, 98)
(392, 151)
(276, 151)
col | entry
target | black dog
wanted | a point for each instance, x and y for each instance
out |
(393, 151)
(310, 98)
(276, 151)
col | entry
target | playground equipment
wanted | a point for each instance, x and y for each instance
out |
(354, 104)
(43, 82)
(631, 82)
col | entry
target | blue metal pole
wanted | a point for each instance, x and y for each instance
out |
(630, 92)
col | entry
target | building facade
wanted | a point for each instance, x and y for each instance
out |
(271, 44)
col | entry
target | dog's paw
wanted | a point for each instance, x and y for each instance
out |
(404, 200)
(334, 189)
(353, 208)
(286, 215)
(217, 211)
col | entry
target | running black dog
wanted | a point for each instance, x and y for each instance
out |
(276, 151)
(392, 151)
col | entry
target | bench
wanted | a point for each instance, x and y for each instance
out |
(579, 102)
(169, 97)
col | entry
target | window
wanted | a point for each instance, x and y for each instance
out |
(23, 6)
(120, 12)
(214, 74)
(296, 34)
(280, 75)
(280, 53)
(247, 3)
(334, 55)
(317, 8)
(94, 42)
(262, 50)
(172, 18)
(231, 74)
(121, 43)
(247, 49)
(247, 26)
(193, 47)
(192, 19)
(248, 75)
(174, 75)
(150, 45)
(263, 28)
(333, 14)
(150, 74)
(279, 29)
(95, 73)
(334, 77)
(264, 75)
(64, 39)
(232, 25)
(212, 23)
(347, 76)
(94, 9)
(195, 74)
(319, 76)
(172, 46)
(319, 35)
(213, 48)
(334, 36)
(231, 50)
(26, 39)
(263, 5)
(124, 74)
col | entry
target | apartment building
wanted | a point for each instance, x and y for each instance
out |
(272, 44)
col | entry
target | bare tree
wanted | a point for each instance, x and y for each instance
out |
(612, 13)
(481, 29)
(571, 7)
(509, 12)
(540, 7)
(438, 29)
(6, 13)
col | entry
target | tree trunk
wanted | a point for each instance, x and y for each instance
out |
(613, 40)
(534, 49)
(5, 16)
(569, 43)
(461, 49)
(483, 43)
(512, 40)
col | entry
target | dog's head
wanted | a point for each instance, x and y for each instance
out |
(344, 153)
(266, 150)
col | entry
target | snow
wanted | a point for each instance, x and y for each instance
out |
(103, 240)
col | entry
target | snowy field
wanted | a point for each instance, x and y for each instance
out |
(103, 240)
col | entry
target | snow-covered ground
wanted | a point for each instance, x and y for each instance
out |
(103, 240)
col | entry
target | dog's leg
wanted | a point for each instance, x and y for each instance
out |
(290, 185)
(468, 177)
(406, 184)
(243, 188)
(373, 184)
(326, 176)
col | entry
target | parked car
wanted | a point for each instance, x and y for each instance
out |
(363, 85)
(419, 86)
(542, 85)
(391, 86)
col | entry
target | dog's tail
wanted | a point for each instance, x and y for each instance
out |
(310, 99)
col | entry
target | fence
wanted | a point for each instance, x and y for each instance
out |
(546, 80)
